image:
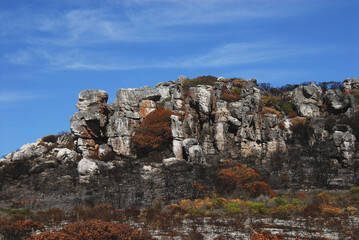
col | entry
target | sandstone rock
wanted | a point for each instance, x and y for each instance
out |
(338, 102)
(176, 127)
(189, 142)
(148, 93)
(220, 79)
(164, 90)
(176, 165)
(104, 152)
(65, 155)
(220, 135)
(88, 125)
(177, 148)
(147, 106)
(196, 155)
(92, 100)
(119, 126)
(121, 145)
(350, 83)
(88, 166)
(66, 141)
(204, 99)
(180, 79)
(307, 100)
(127, 100)
(221, 112)
(30, 151)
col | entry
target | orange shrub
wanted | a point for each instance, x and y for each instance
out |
(242, 177)
(266, 235)
(154, 132)
(269, 110)
(53, 216)
(231, 96)
(240, 82)
(18, 229)
(50, 138)
(94, 230)
(292, 115)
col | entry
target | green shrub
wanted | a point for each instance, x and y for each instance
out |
(232, 208)
(296, 202)
(281, 200)
(257, 208)
(354, 190)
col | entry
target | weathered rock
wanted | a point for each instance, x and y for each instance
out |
(220, 135)
(189, 142)
(66, 140)
(196, 155)
(127, 100)
(65, 155)
(307, 100)
(88, 166)
(350, 83)
(337, 102)
(30, 151)
(176, 165)
(92, 100)
(104, 152)
(148, 93)
(147, 106)
(176, 127)
(121, 145)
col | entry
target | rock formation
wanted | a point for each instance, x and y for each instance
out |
(228, 118)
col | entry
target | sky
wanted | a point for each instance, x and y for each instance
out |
(50, 50)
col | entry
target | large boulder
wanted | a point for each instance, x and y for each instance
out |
(350, 84)
(148, 93)
(93, 100)
(337, 102)
(307, 100)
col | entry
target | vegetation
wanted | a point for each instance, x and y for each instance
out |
(231, 96)
(237, 178)
(203, 80)
(316, 211)
(154, 132)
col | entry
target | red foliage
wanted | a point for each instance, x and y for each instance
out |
(18, 229)
(25, 203)
(312, 210)
(245, 178)
(258, 188)
(266, 235)
(230, 96)
(94, 230)
(154, 132)
(53, 216)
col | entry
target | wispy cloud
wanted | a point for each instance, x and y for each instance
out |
(13, 98)
(241, 53)
(136, 21)
(72, 39)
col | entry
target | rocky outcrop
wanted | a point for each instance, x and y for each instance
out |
(307, 100)
(211, 123)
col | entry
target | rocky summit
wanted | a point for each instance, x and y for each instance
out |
(156, 143)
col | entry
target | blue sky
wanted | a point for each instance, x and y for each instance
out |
(50, 50)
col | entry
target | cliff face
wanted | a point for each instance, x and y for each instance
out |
(296, 138)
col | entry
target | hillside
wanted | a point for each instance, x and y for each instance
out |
(190, 139)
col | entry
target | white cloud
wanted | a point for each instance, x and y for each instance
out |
(11, 97)
(21, 57)
(227, 55)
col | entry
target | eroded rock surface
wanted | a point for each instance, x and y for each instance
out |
(97, 160)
